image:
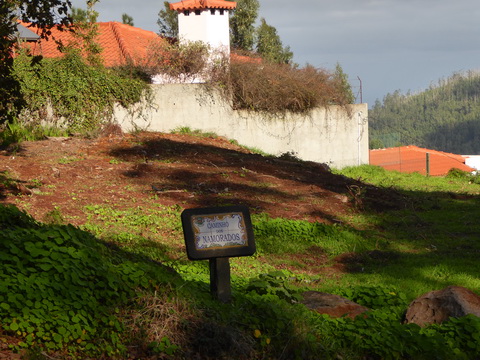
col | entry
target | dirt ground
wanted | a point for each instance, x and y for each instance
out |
(128, 170)
(192, 171)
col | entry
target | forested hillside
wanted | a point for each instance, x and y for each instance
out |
(444, 117)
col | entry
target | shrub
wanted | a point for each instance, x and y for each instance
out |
(277, 88)
(247, 81)
(457, 174)
(176, 62)
(463, 175)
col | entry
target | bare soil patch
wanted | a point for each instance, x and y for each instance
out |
(191, 171)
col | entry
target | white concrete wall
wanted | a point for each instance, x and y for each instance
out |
(326, 135)
(212, 29)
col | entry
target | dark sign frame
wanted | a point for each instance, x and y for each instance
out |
(238, 212)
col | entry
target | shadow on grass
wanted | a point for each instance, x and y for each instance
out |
(421, 227)
(211, 175)
(431, 244)
(9, 185)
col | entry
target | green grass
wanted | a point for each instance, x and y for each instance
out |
(68, 160)
(16, 132)
(456, 183)
(436, 237)
(186, 130)
(436, 229)
(394, 256)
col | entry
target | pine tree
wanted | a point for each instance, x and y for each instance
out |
(168, 21)
(242, 26)
(342, 78)
(127, 19)
(269, 45)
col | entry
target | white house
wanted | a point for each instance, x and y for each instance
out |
(206, 21)
(473, 161)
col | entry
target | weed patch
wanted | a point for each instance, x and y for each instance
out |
(277, 236)
(62, 289)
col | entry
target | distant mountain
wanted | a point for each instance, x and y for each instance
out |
(444, 117)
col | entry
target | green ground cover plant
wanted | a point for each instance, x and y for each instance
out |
(62, 289)
(123, 280)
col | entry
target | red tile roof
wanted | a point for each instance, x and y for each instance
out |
(202, 4)
(120, 43)
(413, 159)
(240, 58)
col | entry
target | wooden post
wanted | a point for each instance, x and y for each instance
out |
(220, 279)
(428, 163)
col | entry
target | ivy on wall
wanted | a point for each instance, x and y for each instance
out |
(75, 95)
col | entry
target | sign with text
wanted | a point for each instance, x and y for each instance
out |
(218, 232)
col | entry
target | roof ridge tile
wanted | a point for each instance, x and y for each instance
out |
(119, 38)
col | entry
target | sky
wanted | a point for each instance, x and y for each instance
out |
(382, 45)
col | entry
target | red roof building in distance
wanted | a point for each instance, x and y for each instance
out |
(120, 43)
(411, 159)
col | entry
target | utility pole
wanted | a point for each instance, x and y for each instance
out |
(361, 92)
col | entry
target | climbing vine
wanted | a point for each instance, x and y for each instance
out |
(69, 93)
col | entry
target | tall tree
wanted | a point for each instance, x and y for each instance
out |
(168, 21)
(44, 14)
(243, 33)
(86, 32)
(342, 79)
(242, 24)
(270, 46)
(443, 117)
(78, 15)
(127, 19)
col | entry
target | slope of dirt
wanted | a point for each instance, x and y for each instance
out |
(191, 171)
(68, 174)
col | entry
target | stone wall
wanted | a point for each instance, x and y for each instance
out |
(329, 135)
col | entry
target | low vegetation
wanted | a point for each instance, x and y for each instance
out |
(176, 62)
(120, 285)
(248, 81)
(278, 88)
